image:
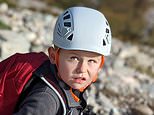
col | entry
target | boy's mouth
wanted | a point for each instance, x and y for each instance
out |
(79, 80)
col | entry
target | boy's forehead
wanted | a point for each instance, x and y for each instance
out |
(80, 52)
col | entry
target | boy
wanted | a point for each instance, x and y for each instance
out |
(82, 37)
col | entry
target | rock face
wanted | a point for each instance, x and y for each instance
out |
(13, 42)
(126, 83)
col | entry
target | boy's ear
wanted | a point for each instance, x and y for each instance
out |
(51, 52)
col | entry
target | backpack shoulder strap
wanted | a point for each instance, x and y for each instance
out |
(57, 93)
(47, 73)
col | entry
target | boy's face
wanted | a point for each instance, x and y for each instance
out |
(78, 68)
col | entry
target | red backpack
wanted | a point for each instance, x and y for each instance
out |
(15, 72)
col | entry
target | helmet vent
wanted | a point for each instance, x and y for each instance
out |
(66, 17)
(59, 32)
(65, 12)
(70, 37)
(104, 43)
(107, 23)
(107, 39)
(67, 24)
(107, 30)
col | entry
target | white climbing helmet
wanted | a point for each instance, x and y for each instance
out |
(81, 28)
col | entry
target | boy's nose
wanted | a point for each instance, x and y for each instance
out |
(82, 67)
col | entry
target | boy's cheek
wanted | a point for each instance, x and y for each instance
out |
(99, 70)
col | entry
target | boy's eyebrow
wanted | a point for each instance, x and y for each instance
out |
(74, 53)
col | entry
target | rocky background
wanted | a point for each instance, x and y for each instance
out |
(124, 87)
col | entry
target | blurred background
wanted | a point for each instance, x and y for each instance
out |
(131, 20)
(126, 84)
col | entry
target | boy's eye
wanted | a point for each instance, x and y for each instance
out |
(74, 58)
(92, 61)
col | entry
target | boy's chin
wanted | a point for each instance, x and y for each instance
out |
(78, 87)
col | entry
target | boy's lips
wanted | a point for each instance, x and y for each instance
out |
(79, 79)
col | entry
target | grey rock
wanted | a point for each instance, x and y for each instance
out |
(141, 110)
